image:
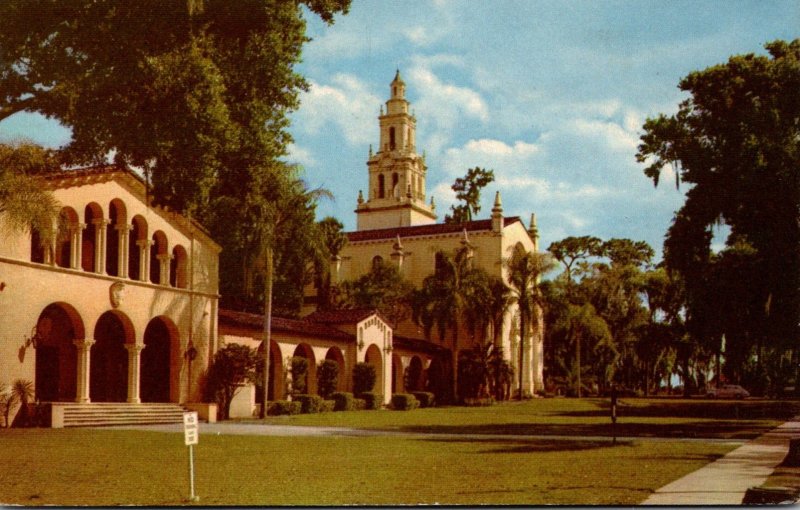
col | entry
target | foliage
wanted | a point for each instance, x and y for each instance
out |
(343, 401)
(382, 288)
(425, 398)
(309, 403)
(7, 402)
(299, 370)
(284, 407)
(331, 242)
(24, 204)
(404, 402)
(327, 377)
(468, 191)
(736, 141)
(232, 366)
(372, 400)
(363, 378)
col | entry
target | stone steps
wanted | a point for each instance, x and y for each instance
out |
(106, 414)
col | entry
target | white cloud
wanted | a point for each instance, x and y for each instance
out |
(443, 103)
(611, 134)
(300, 155)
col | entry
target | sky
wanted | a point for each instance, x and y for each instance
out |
(551, 95)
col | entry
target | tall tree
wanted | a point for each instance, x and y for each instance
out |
(468, 192)
(382, 288)
(524, 271)
(330, 244)
(736, 140)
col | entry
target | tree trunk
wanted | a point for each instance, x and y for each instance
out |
(267, 326)
(522, 327)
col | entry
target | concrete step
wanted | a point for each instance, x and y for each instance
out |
(101, 414)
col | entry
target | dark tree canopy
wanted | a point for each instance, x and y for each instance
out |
(468, 192)
(736, 141)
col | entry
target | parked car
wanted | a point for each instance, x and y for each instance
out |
(728, 391)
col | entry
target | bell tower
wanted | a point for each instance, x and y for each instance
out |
(396, 194)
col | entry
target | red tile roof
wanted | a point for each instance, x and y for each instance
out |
(417, 345)
(344, 316)
(425, 230)
(256, 321)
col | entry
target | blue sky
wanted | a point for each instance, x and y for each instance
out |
(551, 95)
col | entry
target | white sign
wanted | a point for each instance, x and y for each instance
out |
(191, 428)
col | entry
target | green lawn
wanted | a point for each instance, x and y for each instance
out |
(115, 467)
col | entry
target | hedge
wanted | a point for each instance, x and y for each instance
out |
(310, 404)
(280, 407)
(327, 406)
(404, 402)
(425, 398)
(343, 401)
(359, 404)
(373, 400)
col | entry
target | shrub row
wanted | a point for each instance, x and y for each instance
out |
(404, 402)
(281, 407)
(425, 398)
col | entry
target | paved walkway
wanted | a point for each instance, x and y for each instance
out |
(725, 481)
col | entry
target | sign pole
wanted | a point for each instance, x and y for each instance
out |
(192, 496)
(191, 436)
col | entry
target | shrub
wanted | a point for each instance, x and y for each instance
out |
(299, 370)
(309, 404)
(359, 404)
(404, 402)
(478, 402)
(363, 378)
(425, 398)
(373, 400)
(327, 377)
(232, 366)
(343, 401)
(281, 407)
(327, 406)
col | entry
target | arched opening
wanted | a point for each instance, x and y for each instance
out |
(395, 185)
(398, 384)
(55, 379)
(161, 339)
(305, 351)
(377, 261)
(117, 219)
(381, 186)
(276, 388)
(158, 249)
(93, 215)
(138, 234)
(374, 358)
(439, 263)
(108, 374)
(64, 238)
(391, 138)
(335, 354)
(177, 267)
(414, 379)
(37, 248)
(439, 378)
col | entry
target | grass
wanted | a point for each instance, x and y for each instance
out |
(116, 467)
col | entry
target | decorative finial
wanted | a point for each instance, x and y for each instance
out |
(360, 197)
(370, 150)
(381, 109)
(433, 204)
(498, 203)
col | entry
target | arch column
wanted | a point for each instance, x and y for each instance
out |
(144, 259)
(134, 361)
(124, 231)
(75, 244)
(100, 224)
(163, 268)
(84, 346)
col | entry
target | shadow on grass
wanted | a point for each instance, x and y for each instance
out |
(723, 429)
(538, 446)
(698, 408)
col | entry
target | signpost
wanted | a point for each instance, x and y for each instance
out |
(191, 434)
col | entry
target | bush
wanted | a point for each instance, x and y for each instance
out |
(309, 404)
(343, 401)
(373, 400)
(425, 398)
(478, 402)
(359, 404)
(327, 377)
(327, 406)
(363, 378)
(281, 407)
(231, 367)
(404, 402)
(299, 370)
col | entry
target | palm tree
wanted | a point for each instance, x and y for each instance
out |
(452, 293)
(524, 271)
(330, 243)
(25, 205)
(583, 322)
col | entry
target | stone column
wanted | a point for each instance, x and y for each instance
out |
(84, 346)
(75, 244)
(144, 259)
(100, 226)
(164, 262)
(124, 231)
(134, 360)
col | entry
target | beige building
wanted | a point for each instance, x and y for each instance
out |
(122, 308)
(396, 223)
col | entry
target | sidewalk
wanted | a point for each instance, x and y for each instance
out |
(725, 481)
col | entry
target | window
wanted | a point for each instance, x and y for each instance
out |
(381, 185)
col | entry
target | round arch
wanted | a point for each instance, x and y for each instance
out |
(137, 235)
(92, 215)
(159, 379)
(414, 376)
(64, 240)
(305, 351)
(177, 267)
(335, 354)
(160, 247)
(398, 384)
(108, 373)
(55, 378)
(374, 358)
(117, 217)
(276, 389)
